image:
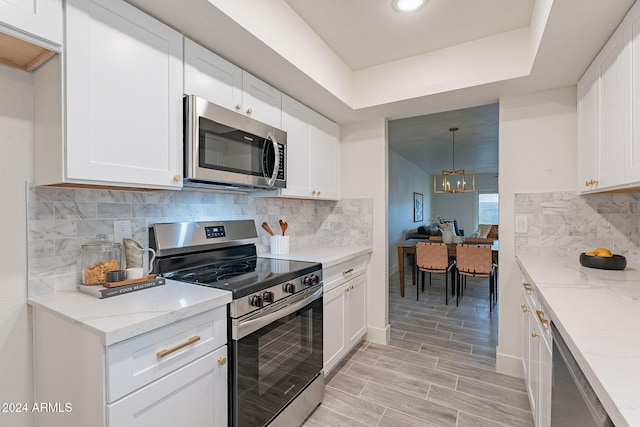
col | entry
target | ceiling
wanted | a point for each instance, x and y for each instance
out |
(365, 33)
(427, 142)
(359, 60)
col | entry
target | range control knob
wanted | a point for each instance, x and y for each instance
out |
(289, 288)
(255, 301)
(267, 296)
(307, 281)
(315, 279)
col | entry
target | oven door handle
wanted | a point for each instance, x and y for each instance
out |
(242, 328)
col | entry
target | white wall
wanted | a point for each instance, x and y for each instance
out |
(405, 178)
(364, 173)
(538, 142)
(16, 146)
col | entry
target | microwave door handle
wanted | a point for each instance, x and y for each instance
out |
(276, 163)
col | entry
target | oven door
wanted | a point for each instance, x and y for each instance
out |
(275, 355)
(226, 147)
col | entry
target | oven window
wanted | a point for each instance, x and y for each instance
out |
(275, 363)
(228, 149)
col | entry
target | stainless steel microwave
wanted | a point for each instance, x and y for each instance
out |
(228, 150)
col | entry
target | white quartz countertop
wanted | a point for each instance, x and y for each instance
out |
(121, 317)
(327, 255)
(598, 315)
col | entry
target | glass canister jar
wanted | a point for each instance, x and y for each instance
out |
(98, 257)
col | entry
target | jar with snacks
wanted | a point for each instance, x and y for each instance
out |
(98, 257)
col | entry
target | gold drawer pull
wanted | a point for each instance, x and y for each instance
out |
(540, 314)
(527, 287)
(535, 334)
(524, 308)
(344, 273)
(166, 352)
(222, 360)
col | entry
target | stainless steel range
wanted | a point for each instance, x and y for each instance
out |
(275, 332)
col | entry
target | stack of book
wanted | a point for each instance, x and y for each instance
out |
(107, 290)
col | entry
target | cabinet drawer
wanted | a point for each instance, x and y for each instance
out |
(138, 361)
(338, 274)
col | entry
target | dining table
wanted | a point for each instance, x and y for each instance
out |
(409, 247)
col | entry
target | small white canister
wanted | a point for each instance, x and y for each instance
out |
(279, 245)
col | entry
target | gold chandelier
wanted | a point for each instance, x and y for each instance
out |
(454, 181)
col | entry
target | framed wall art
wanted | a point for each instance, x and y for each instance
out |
(417, 207)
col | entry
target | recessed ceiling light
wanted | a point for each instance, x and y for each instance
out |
(408, 5)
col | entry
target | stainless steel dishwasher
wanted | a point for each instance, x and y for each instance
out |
(573, 401)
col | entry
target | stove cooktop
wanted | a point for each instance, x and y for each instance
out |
(248, 276)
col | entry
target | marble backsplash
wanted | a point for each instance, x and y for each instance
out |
(564, 224)
(60, 220)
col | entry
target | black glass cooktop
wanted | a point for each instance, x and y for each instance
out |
(245, 277)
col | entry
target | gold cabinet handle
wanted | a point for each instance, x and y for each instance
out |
(313, 193)
(166, 352)
(534, 334)
(238, 106)
(249, 111)
(344, 273)
(177, 177)
(318, 192)
(540, 314)
(591, 182)
(222, 360)
(527, 287)
(524, 308)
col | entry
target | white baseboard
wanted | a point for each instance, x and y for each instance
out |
(378, 335)
(509, 365)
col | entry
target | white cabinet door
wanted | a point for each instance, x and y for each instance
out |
(261, 101)
(41, 19)
(124, 96)
(194, 395)
(211, 77)
(313, 152)
(587, 139)
(356, 310)
(610, 122)
(631, 26)
(545, 383)
(524, 305)
(533, 380)
(334, 338)
(325, 158)
(295, 121)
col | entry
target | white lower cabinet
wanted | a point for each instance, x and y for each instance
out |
(344, 310)
(173, 375)
(194, 395)
(536, 355)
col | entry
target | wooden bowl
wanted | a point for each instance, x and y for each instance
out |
(615, 262)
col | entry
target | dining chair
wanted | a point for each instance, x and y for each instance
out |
(434, 258)
(475, 261)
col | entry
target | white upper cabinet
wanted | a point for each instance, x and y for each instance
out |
(601, 118)
(608, 119)
(123, 112)
(217, 80)
(211, 77)
(41, 19)
(631, 27)
(313, 152)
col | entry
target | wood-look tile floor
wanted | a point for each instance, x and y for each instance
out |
(438, 369)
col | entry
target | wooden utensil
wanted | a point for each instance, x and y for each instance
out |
(129, 282)
(266, 227)
(283, 226)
